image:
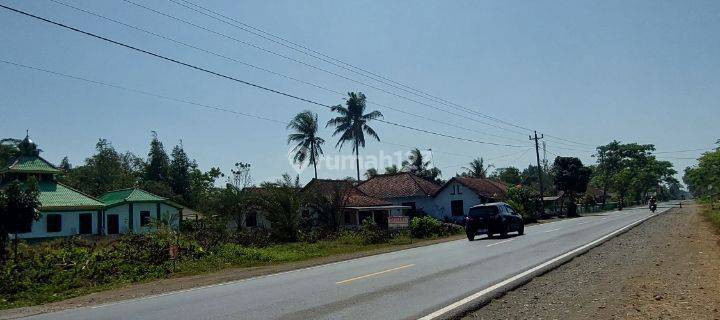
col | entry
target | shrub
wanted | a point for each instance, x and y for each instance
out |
(424, 227)
(370, 233)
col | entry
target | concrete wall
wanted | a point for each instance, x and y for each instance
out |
(70, 225)
(427, 204)
(123, 212)
(455, 191)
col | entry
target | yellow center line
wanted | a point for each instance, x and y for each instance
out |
(374, 274)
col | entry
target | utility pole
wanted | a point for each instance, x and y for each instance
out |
(540, 178)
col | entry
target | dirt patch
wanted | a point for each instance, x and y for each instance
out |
(665, 268)
(180, 283)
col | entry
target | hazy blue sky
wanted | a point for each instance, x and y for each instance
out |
(645, 71)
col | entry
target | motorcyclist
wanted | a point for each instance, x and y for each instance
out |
(653, 203)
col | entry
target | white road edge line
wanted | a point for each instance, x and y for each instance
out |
(265, 276)
(497, 243)
(507, 281)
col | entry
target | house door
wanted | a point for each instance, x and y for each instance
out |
(85, 223)
(381, 218)
(113, 225)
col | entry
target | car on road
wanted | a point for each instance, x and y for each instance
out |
(493, 218)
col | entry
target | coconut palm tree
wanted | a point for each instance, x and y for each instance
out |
(309, 145)
(352, 124)
(477, 169)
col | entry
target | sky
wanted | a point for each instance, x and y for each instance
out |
(584, 71)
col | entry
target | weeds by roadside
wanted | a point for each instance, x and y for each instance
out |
(69, 267)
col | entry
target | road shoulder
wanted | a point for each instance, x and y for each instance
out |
(667, 267)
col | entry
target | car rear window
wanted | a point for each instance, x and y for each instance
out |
(483, 211)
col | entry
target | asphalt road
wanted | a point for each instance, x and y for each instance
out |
(404, 284)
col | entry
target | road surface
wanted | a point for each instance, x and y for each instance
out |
(399, 285)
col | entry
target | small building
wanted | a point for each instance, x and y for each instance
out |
(133, 209)
(403, 189)
(64, 211)
(456, 196)
(356, 205)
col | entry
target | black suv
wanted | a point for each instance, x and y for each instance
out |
(492, 218)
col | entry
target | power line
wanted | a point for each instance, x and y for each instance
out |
(316, 67)
(227, 77)
(340, 63)
(325, 58)
(273, 72)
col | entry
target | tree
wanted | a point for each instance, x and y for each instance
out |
(65, 165)
(281, 201)
(203, 194)
(571, 177)
(235, 200)
(157, 168)
(417, 165)
(8, 150)
(18, 209)
(369, 173)
(509, 175)
(477, 169)
(529, 177)
(106, 170)
(308, 144)
(393, 169)
(703, 179)
(352, 124)
(330, 206)
(180, 173)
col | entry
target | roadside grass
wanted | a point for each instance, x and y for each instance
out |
(713, 216)
(69, 268)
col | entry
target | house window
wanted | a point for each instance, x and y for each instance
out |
(144, 218)
(456, 207)
(53, 223)
(251, 220)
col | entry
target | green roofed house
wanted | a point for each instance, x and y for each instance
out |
(134, 209)
(64, 210)
(68, 212)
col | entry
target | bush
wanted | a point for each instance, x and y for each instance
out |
(370, 233)
(425, 227)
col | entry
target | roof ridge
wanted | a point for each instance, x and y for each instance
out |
(414, 179)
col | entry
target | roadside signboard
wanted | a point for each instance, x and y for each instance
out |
(398, 222)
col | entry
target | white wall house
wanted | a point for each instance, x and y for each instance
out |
(134, 210)
(456, 196)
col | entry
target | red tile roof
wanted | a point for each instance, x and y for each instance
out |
(355, 197)
(397, 186)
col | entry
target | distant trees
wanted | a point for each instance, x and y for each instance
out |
(105, 171)
(477, 169)
(703, 179)
(352, 124)
(417, 165)
(631, 171)
(571, 177)
(308, 145)
(509, 175)
(392, 169)
(371, 172)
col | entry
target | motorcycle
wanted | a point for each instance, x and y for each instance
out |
(653, 207)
